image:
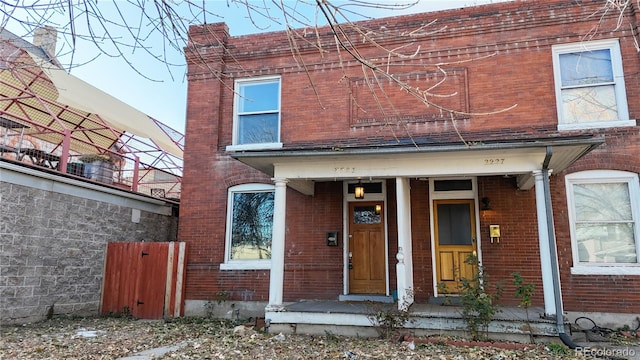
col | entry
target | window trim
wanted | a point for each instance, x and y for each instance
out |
(598, 177)
(613, 46)
(228, 263)
(235, 146)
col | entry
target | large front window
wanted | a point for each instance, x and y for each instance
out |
(257, 113)
(590, 89)
(603, 209)
(249, 227)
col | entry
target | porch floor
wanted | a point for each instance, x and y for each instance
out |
(355, 318)
(418, 309)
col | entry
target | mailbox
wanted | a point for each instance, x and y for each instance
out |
(332, 238)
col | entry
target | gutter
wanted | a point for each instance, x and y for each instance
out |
(555, 271)
(590, 142)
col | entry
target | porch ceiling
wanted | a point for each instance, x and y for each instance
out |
(303, 166)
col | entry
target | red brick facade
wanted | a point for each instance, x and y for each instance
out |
(498, 56)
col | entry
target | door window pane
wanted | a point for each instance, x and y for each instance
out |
(452, 185)
(365, 215)
(369, 187)
(454, 224)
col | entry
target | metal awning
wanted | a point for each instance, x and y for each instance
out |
(35, 91)
(10, 124)
(49, 113)
(80, 95)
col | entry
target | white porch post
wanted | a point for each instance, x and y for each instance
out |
(276, 278)
(404, 266)
(545, 252)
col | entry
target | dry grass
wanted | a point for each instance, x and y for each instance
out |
(112, 338)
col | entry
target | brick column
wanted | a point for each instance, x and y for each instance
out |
(203, 182)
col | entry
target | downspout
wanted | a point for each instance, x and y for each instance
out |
(555, 273)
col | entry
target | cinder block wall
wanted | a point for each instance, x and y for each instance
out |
(54, 233)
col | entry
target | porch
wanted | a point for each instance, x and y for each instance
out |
(355, 319)
(452, 171)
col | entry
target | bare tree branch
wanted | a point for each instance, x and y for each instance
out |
(159, 29)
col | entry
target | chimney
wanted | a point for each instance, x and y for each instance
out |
(46, 38)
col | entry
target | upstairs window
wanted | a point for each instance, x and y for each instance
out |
(589, 81)
(257, 114)
(603, 211)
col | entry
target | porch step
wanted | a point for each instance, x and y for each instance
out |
(364, 297)
(445, 300)
(355, 319)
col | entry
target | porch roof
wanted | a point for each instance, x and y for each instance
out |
(302, 166)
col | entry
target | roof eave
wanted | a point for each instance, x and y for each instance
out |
(264, 160)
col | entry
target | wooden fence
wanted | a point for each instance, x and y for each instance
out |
(144, 279)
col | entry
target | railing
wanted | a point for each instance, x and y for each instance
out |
(122, 170)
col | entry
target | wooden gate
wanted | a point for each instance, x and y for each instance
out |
(144, 279)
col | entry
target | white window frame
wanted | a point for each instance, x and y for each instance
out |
(230, 264)
(598, 177)
(619, 86)
(236, 102)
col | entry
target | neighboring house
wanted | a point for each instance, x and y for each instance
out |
(544, 145)
(51, 119)
(55, 223)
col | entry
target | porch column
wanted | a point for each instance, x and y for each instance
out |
(545, 251)
(276, 278)
(404, 266)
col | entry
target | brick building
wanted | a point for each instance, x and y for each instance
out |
(535, 170)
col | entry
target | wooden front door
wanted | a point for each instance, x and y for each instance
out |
(367, 265)
(455, 241)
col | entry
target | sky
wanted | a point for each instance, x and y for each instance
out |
(159, 90)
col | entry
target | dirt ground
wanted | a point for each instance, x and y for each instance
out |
(204, 338)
